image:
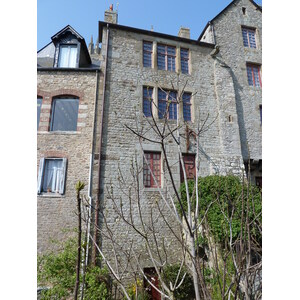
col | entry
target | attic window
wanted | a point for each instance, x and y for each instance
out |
(67, 56)
(244, 10)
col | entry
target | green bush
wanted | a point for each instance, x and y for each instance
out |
(229, 192)
(57, 270)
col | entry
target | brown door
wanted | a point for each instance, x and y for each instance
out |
(189, 165)
(152, 276)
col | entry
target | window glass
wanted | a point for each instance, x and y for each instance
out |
(253, 74)
(147, 101)
(184, 57)
(64, 114)
(67, 56)
(147, 54)
(167, 104)
(166, 57)
(249, 37)
(186, 100)
(39, 105)
(153, 166)
(53, 175)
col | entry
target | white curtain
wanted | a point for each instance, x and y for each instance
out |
(67, 56)
(53, 175)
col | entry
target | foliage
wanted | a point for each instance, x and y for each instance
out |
(186, 289)
(225, 193)
(58, 271)
(136, 291)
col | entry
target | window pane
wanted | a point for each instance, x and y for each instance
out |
(64, 115)
(53, 175)
(147, 101)
(39, 105)
(186, 99)
(153, 166)
(184, 57)
(67, 56)
(147, 54)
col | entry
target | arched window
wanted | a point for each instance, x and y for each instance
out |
(64, 113)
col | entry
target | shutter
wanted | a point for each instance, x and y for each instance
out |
(40, 176)
(63, 180)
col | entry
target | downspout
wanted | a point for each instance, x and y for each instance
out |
(90, 189)
(100, 146)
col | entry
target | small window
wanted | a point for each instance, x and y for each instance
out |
(67, 56)
(184, 57)
(52, 172)
(153, 165)
(253, 74)
(147, 54)
(167, 104)
(249, 37)
(186, 103)
(64, 114)
(244, 10)
(39, 105)
(147, 101)
(258, 182)
(189, 165)
(166, 57)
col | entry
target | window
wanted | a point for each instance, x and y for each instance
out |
(258, 182)
(147, 54)
(166, 57)
(67, 56)
(39, 105)
(153, 159)
(244, 10)
(186, 103)
(167, 104)
(64, 114)
(52, 173)
(189, 165)
(147, 101)
(184, 57)
(249, 37)
(253, 73)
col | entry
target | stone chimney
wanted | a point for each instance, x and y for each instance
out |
(184, 32)
(111, 16)
(91, 46)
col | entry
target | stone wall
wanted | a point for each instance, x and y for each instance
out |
(56, 216)
(213, 100)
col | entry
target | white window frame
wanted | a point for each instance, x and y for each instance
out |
(68, 65)
(41, 175)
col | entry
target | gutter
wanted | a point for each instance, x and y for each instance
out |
(100, 146)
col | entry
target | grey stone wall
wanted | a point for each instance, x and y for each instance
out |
(212, 86)
(228, 35)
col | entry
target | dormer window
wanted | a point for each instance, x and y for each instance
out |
(67, 56)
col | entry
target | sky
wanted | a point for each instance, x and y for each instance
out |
(166, 16)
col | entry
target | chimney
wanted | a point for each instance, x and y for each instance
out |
(91, 46)
(111, 16)
(184, 32)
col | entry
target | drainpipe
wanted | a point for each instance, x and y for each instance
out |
(100, 146)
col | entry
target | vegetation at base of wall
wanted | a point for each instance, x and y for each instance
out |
(186, 289)
(224, 193)
(57, 270)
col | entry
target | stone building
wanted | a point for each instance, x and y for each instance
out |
(111, 90)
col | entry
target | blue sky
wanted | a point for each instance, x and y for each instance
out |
(165, 16)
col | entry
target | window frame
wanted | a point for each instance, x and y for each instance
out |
(147, 98)
(246, 32)
(186, 104)
(73, 45)
(41, 176)
(185, 59)
(166, 55)
(53, 104)
(150, 182)
(251, 67)
(149, 53)
(161, 115)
